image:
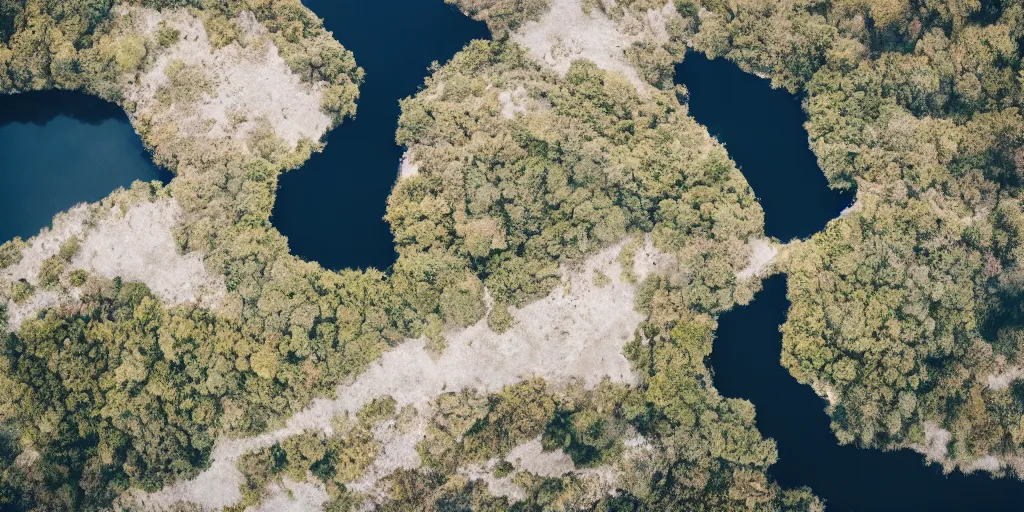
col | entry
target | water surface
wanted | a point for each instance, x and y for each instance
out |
(746, 365)
(332, 209)
(763, 131)
(762, 128)
(58, 149)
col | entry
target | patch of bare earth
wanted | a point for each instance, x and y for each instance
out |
(762, 254)
(408, 166)
(38, 249)
(137, 245)
(251, 85)
(292, 496)
(566, 33)
(936, 442)
(576, 333)
(1002, 379)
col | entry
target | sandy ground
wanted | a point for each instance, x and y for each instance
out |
(398, 451)
(574, 335)
(1001, 380)
(762, 253)
(136, 246)
(139, 246)
(513, 102)
(531, 457)
(40, 248)
(936, 449)
(565, 33)
(408, 167)
(251, 84)
(936, 442)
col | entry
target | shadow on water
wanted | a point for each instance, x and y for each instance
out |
(332, 208)
(746, 365)
(39, 108)
(61, 148)
(762, 128)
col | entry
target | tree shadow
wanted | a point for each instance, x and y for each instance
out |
(41, 107)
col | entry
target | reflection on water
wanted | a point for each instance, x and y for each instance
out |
(58, 149)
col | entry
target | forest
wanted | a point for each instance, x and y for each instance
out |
(906, 312)
(124, 392)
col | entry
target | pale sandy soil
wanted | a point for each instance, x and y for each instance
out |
(40, 248)
(762, 253)
(252, 84)
(503, 486)
(139, 246)
(408, 167)
(936, 442)
(291, 496)
(1002, 379)
(988, 463)
(47, 243)
(513, 102)
(398, 451)
(135, 246)
(565, 33)
(530, 457)
(574, 336)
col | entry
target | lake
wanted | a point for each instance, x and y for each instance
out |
(763, 131)
(762, 128)
(62, 148)
(58, 149)
(332, 209)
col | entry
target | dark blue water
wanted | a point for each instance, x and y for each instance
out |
(58, 149)
(746, 365)
(762, 128)
(332, 209)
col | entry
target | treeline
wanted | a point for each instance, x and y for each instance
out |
(904, 308)
(588, 162)
(121, 391)
(503, 16)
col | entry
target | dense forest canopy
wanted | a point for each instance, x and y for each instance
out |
(119, 389)
(906, 311)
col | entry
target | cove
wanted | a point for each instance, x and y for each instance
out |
(762, 128)
(763, 132)
(61, 148)
(332, 209)
(746, 365)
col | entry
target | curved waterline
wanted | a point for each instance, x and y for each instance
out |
(746, 365)
(332, 209)
(762, 128)
(61, 148)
